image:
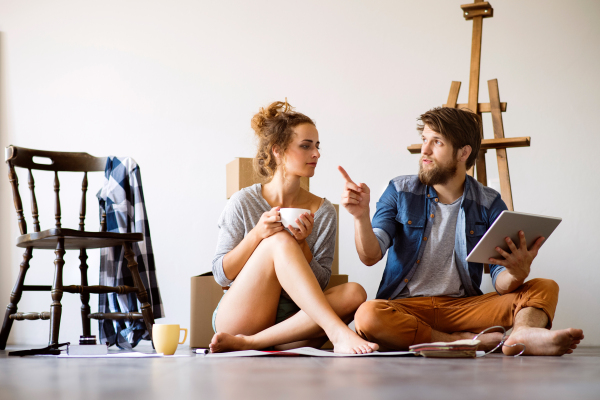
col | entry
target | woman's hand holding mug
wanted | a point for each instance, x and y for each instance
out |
(305, 224)
(269, 224)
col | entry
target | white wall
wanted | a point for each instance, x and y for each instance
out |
(174, 84)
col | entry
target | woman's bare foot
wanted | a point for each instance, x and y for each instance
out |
(222, 342)
(543, 342)
(348, 342)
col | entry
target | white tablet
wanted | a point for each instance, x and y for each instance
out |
(509, 223)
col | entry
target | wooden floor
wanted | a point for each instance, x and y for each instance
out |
(569, 377)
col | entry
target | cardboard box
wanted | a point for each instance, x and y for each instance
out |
(336, 280)
(240, 174)
(205, 296)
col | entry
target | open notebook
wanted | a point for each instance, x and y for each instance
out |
(458, 349)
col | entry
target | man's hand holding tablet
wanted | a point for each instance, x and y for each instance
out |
(500, 241)
(518, 261)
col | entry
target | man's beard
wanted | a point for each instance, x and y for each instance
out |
(437, 174)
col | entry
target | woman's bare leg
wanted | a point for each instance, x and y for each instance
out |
(299, 330)
(250, 305)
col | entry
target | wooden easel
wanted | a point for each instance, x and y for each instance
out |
(477, 11)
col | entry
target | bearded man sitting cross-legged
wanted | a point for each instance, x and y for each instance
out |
(428, 224)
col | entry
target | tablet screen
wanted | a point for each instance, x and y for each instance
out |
(509, 223)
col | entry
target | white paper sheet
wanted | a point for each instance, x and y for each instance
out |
(124, 355)
(304, 351)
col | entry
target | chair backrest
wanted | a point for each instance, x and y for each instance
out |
(56, 161)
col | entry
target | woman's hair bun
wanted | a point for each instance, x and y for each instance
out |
(275, 110)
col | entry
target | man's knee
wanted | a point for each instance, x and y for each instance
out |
(369, 317)
(550, 286)
(541, 294)
(546, 286)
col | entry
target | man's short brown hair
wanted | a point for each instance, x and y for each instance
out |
(460, 126)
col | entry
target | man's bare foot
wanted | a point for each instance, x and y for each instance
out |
(222, 342)
(543, 342)
(348, 342)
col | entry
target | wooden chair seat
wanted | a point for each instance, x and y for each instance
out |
(75, 240)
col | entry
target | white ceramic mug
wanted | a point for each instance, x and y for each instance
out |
(290, 215)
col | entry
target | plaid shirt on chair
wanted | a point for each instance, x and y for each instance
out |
(122, 199)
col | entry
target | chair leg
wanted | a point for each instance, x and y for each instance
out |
(57, 292)
(142, 294)
(15, 297)
(85, 297)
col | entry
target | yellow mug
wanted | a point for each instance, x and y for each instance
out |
(166, 338)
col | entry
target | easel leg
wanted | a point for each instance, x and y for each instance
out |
(142, 294)
(15, 297)
(57, 292)
(503, 173)
(453, 95)
(505, 188)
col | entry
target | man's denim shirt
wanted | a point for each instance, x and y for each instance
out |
(404, 216)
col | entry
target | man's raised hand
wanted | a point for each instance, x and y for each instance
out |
(355, 197)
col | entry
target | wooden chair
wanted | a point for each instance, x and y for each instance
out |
(61, 239)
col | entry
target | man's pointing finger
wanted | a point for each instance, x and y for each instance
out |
(344, 174)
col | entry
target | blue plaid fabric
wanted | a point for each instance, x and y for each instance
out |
(122, 199)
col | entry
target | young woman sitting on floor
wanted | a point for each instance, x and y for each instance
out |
(277, 277)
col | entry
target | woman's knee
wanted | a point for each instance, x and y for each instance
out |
(356, 294)
(352, 295)
(279, 239)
